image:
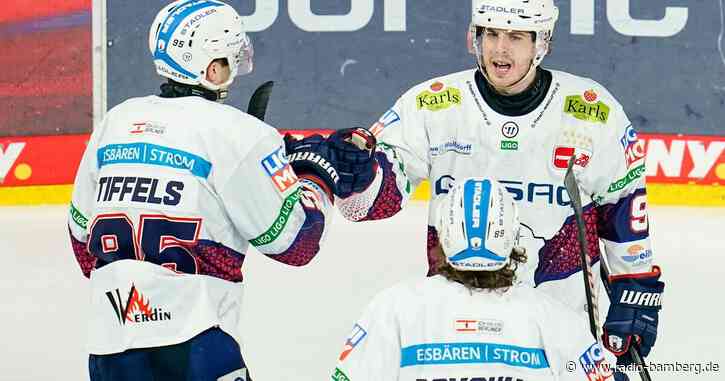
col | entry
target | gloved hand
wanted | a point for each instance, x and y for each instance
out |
(634, 313)
(352, 153)
(310, 159)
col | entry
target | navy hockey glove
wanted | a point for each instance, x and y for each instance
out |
(352, 153)
(634, 312)
(309, 157)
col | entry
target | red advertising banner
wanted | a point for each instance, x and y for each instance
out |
(685, 159)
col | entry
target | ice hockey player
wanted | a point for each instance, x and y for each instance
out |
(511, 119)
(471, 321)
(170, 193)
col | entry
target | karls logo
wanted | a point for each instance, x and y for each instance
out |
(439, 98)
(582, 108)
(394, 13)
(563, 154)
(278, 168)
(136, 308)
(8, 155)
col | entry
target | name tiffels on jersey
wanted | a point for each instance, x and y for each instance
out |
(584, 108)
(440, 98)
(136, 308)
(356, 336)
(139, 189)
(278, 168)
(591, 361)
(387, 119)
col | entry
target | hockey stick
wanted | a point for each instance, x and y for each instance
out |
(260, 98)
(592, 302)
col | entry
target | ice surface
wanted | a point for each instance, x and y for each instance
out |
(296, 319)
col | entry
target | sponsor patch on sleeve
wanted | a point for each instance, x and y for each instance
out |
(387, 119)
(593, 365)
(278, 169)
(356, 336)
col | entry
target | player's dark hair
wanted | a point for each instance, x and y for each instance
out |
(481, 280)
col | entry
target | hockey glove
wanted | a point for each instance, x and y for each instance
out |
(352, 153)
(636, 301)
(309, 157)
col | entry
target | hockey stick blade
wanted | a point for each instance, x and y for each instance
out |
(260, 98)
(572, 188)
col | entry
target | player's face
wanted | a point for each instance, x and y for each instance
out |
(507, 57)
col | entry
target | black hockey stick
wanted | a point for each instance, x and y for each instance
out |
(260, 98)
(592, 302)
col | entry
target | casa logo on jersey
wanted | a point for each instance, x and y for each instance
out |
(634, 149)
(592, 361)
(141, 128)
(438, 98)
(356, 336)
(637, 255)
(562, 154)
(485, 326)
(135, 308)
(387, 119)
(452, 145)
(587, 107)
(278, 168)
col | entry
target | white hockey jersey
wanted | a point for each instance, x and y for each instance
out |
(435, 329)
(168, 196)
(443, 130)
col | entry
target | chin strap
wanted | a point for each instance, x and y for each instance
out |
(174, 89)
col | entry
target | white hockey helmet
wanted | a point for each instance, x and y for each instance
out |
(187, 35)
(538, 16)
(478, 225)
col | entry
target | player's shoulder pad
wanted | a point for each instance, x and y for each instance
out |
(427, 94)
(591, 90)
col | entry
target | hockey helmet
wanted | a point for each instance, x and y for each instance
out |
(187, 35)
(538, 16)
(478, 225)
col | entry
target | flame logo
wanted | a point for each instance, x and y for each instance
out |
(136, 303)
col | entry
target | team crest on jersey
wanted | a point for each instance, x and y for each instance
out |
(277, 167)
(387, 119)
(562, 154)
(438, 97)
(587, 107)
(356, 336)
